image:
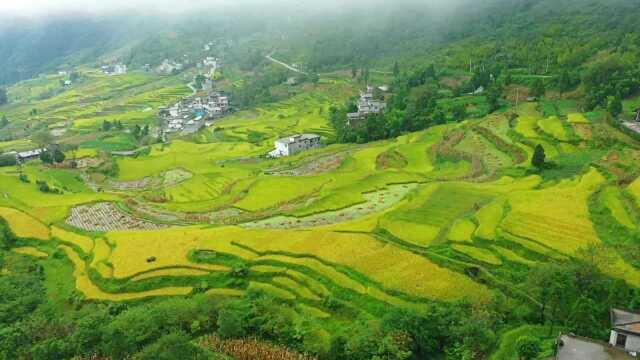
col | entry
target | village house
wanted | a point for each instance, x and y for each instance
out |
(23, 156)
(624, 341)
(169, 67)
(114, 70)
(367, 105)
(625, 331)
(189, 114)
(294, 144)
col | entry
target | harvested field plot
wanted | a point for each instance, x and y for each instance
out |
(106, 217)
(166, 179)
(374, 202)
(319, 165)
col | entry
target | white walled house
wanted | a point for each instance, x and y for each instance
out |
(625, 331)
(294, 144)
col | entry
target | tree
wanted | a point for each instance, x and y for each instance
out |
(564, 82)
(136, 130)
(615, 106)
(231, 323)
(58, 156)
(528, 347)
(354, 71)
(493, 98)
(459, 112)
(106, 125)
(538, 89)
(4, 99)
(46, 157)
(396, 69)
(538, 157)
(174, 346)
(4, 122)
(8, 160)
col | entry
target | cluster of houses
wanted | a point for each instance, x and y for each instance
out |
(367, 105)
(115, 69)
(295, 144)
(624, 341)
(188, 115)
(169, 67)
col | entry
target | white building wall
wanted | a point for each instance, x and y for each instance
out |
(633, 343)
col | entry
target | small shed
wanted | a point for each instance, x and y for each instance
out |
(625, 330)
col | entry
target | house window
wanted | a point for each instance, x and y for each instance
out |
(621, 340)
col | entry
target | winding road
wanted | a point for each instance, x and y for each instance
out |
(270, 58)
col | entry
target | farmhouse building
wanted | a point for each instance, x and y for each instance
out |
(169, 67)
(625, 331)
(294, 144)
(113, 70)
(571, 347)
(367, 105)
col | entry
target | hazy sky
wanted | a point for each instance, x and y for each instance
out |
(44, 8)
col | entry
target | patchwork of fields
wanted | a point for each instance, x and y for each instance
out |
(436, 215)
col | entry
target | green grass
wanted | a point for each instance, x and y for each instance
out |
(507, 345)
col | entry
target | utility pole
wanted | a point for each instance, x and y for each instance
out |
(547, 69)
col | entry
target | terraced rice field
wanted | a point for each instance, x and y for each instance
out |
(31, 251)
(24, 225)
(557, 217)
(91, 291)
(554, 127)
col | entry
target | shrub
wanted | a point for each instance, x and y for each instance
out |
(528, 347)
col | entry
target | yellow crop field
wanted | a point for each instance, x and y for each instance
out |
(577, 118)
(84, 242)
(263, 194)
(478, 254)
(419, 234)
(91, 291)
(462, 230)
(634, 189)
(329, 272)
(512, 256)
(391, 266)
(557, 217)
(272, 290)
(31, 251)
(170, 247)
(296, 287)
(527, 126)
(489, 218)
(170, 272)
(24, 225)
(553, 126)
(312, 311)
(225, 292)
(611, 196)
